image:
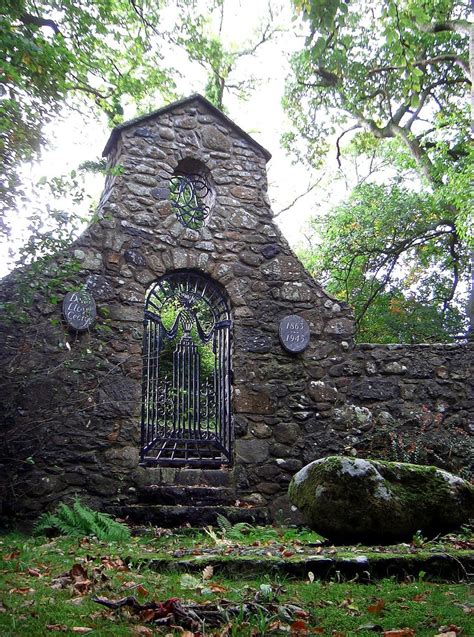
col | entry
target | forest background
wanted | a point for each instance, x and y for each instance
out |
(364, 105)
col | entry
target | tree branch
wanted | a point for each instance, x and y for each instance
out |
(437, 59)
(28, 18)
(297, 198)
(455, 258)
(447, 57)
(392, 129)
(462, 27)
(338, 155)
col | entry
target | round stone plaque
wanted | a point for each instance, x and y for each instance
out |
(294, 333)
(79, 310)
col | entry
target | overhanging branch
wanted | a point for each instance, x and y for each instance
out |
(37, 21)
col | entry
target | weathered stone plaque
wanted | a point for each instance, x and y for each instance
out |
(294, 333)
(79, 310)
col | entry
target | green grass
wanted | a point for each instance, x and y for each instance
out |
(31, 603)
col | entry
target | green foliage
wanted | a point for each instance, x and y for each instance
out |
(97, 52)
(168, 316)
(80, 521)
(399, 74)
(233, 531)
(44, 248)
(395, 256)
(379, 66)
(208, 47)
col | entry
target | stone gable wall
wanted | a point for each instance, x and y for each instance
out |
(71, 402)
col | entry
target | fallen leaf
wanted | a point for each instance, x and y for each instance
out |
(450, 633)
(76, 601)
(82, 586)
(56, 627)
(141, 590)
(401, 632)
(189, 581)
(144, 631)
(78, 572)
(377, 607)
(336, 633)
(278, 627)
(60, 582)
(81, 630)
(311, 577)
(208, 572)
(11, 556)
(319, 630)
(22, 591)
(287, 553)
(114, 564)
(217, 588)
(299, 627)
(451, 628)
(33, 572)
(147, 615)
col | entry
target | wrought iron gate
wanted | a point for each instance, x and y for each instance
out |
(186, 411)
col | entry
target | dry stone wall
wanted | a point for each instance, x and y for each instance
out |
(71, 401)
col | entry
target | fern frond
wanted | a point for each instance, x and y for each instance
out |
(224, 524)
(79, 521)
(45, 522)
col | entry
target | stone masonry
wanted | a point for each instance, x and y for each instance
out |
(71, 401)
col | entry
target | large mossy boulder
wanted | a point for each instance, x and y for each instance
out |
(373, 501)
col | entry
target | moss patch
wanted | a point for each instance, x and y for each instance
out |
(370, 500)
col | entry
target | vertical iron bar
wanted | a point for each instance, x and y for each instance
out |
(154, 384)
(187, 366)
(148, 388)
(182, 421)
(175, 390)
(165, 406)
(144, 390)
(224, 388)
(229, 392)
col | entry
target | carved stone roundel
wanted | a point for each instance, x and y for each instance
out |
(79, 310)
(294, 333)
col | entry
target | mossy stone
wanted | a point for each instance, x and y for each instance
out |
(357, 500)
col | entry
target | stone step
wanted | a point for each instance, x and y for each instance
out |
(189, 495)
(196, 516)
(185, 477)
(437, 566)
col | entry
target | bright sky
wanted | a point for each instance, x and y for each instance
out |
(76, 138)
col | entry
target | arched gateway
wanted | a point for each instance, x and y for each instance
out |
(186, 413)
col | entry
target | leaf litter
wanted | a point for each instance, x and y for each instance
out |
(193, 616)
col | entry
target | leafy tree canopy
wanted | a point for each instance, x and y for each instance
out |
(94, 52)
(389, 252)
(394, 77)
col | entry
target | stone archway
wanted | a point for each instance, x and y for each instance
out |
(186, 402)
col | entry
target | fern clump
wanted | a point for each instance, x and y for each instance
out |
(233, 531)
(80, 521)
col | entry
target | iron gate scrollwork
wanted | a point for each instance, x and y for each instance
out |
(186, 404)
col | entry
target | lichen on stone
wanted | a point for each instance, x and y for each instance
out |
(354, 499)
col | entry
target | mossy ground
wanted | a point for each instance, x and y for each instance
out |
(32, 605)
